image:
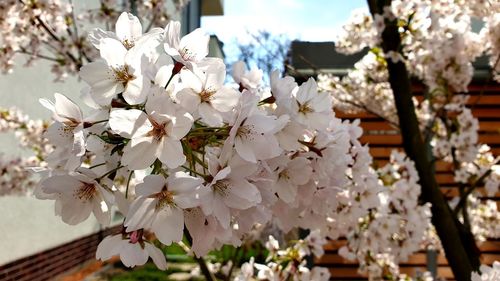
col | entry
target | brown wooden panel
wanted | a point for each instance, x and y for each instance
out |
(451, 192)
(476, 111)
(489, 126)
(486, 246)
(419, 259)
(376, 125)
(491, 139)
(485, 99)
(369, 126)
(380, 153)
(478, 88)
(342, 273)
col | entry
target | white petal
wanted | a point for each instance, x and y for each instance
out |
(222, 174)
(164, 73)
(209, 115)
(97, 34)
(225, 99)
(132, 254)
(196, 43)
(140, 214)
(215, 74)
(103, 92)
(58, 135)
(63, 184)
(128, 123)
(156, 255)
(79, 142)
(171, 153)
(182, 182)
(242, 195)
(140, 156)
(108, 247)
(172, 35)
(128, 27)
(189, 99)
(182, 125)
(238, 70)
(299, 170)
(168, 225)
(307, 91)
(113, 52)
(244, 150)
(191, 80)
(160, 104)
(67, 109)
(47, 104)
(101, 212)
(152, 184)
(95, 72)
(286, 191)
(75, 211)
(136, 90)
(222, 213)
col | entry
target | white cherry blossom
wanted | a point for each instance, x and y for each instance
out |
(154, 134)
(160, 203)
(229, 189)
(205, 94)
(79, 195)
(188, 50)
(133, 251)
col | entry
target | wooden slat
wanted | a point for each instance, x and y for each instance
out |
(490, 139)
(350, 273)
(419, 259)
(486, 246)
(451, 192)
(385, 152)
(493, 113)
(376, 125)
(370, 126)
(478, 88)
(488, 99)
(489, 126)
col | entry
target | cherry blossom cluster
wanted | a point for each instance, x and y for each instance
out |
(289, 263)
(487, 273)
(52, 30)
(181, 154)
(361, 32)
(365, 88)
(15, 176)
(395, 229)
(484, 218)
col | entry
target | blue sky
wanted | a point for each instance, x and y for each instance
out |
(307, 20)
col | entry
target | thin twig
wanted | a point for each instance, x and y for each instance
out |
(23, 51)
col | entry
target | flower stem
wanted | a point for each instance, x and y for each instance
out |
(209, 276)
(109, 173)
(97, 165)
(128, 183)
